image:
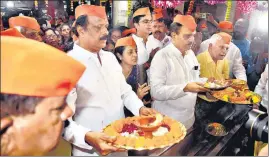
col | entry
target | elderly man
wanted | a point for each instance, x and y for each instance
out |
(233, 55)
(174, 71)
(114, 35)
(142, 20)
(158, 39)
(240, 40)
(102, 90)
(28, 26)
(212, 62)
(33, 95)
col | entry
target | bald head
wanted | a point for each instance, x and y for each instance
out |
(219, 45)
(240, 29)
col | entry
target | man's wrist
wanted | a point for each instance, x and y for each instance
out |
(141, 109)
(88, 137)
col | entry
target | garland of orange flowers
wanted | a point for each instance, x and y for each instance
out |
(190, 7)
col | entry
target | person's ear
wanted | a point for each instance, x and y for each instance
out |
(119, 56)
(5, 123)
(173, 34)
(136, 25)
(80, 31)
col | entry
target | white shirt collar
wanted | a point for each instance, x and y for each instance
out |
(137, 38)
(84, 55)
(176, 51)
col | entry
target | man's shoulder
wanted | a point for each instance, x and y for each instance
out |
(108, 54)
(202, 54)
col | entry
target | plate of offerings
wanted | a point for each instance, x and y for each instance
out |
(146, 132)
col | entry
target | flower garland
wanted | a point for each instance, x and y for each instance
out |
(213, 2)
(190, 7)
(246, 6)
(228, 10)
(167, 3)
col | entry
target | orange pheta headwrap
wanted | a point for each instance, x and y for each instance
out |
(142, 11)
(187, 21)
(226, 25)
(204, 25)
(91, 10)
(226, 37)
(157, 15)
(126, 41)
(157, 10)
(32, 68)
(128, 31)
(12, 32)
(24, 21)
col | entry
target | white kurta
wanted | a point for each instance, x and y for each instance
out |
(170, 72)
(262, 88)
(234, 57)
(101, 93)
(153, 43)
(142, 53)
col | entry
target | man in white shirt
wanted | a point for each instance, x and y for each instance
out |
(158, 39)
(102, 90)
(233, 55)
(262, 88)
(173, 72)
(142, 20)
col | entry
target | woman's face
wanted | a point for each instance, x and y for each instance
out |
(65, 31)
(129, 55)
(51, 35)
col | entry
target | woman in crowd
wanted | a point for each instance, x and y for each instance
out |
(114, 34)
(65, 32)
(50, 37)
(66, 37)
(126, 53)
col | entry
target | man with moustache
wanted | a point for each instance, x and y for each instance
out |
(174, 73)
(240, 40)
(102, 91)
(158, 39)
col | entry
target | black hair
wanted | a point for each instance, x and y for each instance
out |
(109, 41)
(13, 104)
(119, 50)
(161, 20)
(168, 22)
(81, 21)
(175, 27)
(138, 5)
(64, 24)
(142, 4)
(137, 18)
(51, 30)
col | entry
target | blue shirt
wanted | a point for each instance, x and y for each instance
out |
(243, 45)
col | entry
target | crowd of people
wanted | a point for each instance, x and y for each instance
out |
(155, 66)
